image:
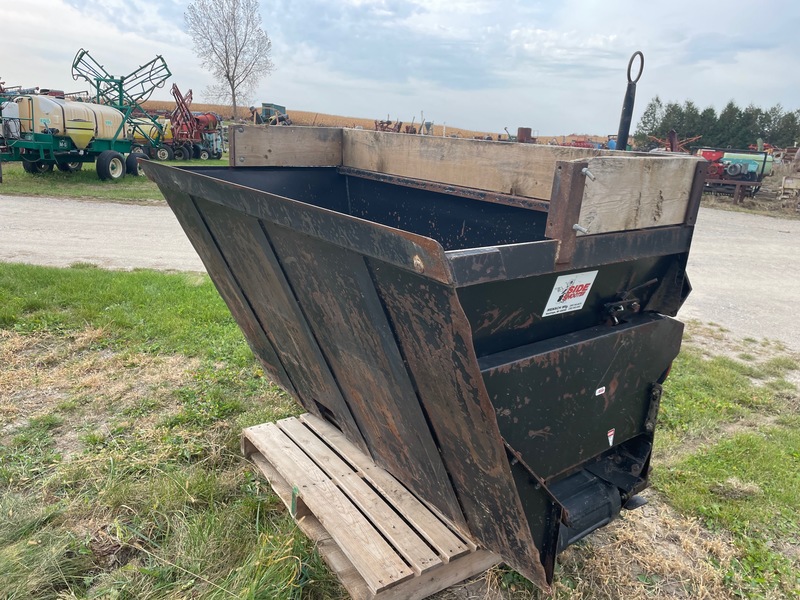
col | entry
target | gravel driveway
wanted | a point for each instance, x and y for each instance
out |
(745, 269)
(58, 233)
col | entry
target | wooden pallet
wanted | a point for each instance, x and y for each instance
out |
(381, 542)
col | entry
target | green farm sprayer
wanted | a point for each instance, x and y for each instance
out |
(44, 129)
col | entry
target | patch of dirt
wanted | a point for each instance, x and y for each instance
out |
(87, 384)
(736, 489)
(714, 340)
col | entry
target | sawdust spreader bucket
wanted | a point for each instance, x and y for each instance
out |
(489, 321)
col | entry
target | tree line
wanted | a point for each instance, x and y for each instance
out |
(733, 127)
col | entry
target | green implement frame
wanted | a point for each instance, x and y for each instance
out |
(126, 93)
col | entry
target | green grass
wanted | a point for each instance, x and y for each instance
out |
(748, 485)
(745, 483)
(157, 502)
(147, 310)
(30, 455)
(86, 184)
(701, 393)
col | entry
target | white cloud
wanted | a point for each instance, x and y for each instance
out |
(556, 67)
(44, 52)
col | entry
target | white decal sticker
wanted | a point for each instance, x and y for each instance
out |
(611, 437)
(569, 293)
(600, 391)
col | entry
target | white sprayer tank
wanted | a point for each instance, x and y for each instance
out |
(45, 114)
(10, 120)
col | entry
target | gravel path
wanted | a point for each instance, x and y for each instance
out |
(58, 233)
(745, 269)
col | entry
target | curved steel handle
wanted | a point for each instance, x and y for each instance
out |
(641, 66)
(627, 103)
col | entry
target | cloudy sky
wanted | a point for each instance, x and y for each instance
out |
(557, 67)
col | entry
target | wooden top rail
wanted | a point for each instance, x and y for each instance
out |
(622, 191)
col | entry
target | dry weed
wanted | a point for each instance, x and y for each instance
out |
(652, 552)
(42, 372)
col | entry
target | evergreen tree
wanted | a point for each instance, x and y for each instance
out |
(708, 128)
(727, 125)
(674, 118)
(732, 128)
(748, 128)
(770, 123)
(691, 121)
(787, 131)
(651, 118)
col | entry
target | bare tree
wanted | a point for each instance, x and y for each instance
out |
(231, 43)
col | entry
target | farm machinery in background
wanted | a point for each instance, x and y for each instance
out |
(736, 172)
(730, 171)
(182, 134)
(43, 129)
(274, 114)
(194, 135)
(127, 94)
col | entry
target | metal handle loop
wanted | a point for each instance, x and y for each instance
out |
(641, 66)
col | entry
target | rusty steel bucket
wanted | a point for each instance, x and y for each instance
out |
(502, 366)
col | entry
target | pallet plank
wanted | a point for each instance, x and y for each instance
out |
(387, 521)
(307, 523)
(343, 463)
(448, 545)
(436, 579)
(378, 564)
(443, 577)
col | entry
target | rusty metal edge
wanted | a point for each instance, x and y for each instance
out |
(696, 193)
(607, 248)
(418, 254)
(566, 200)
(500, 263)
